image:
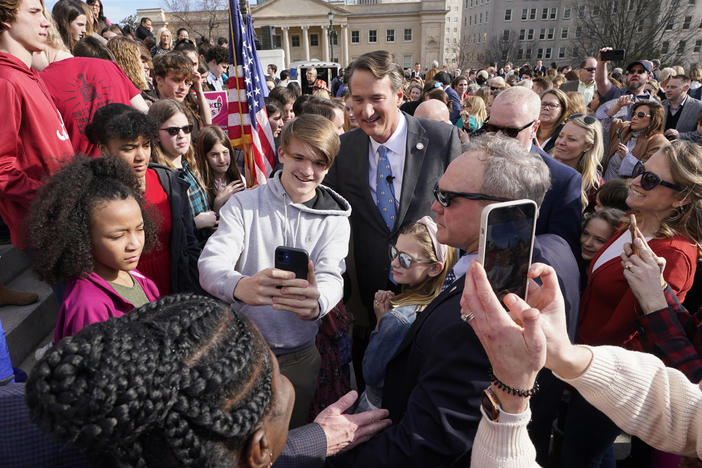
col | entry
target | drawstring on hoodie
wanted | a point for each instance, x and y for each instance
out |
(297, 229)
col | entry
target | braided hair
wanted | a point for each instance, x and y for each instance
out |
(183, 381)
(60, 216)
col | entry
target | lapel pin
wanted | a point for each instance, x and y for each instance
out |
(420, 146)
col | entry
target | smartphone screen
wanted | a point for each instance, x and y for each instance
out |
(508, 235)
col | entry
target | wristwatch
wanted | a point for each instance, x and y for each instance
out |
(491, 404)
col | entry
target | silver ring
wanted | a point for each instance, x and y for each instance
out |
(627, 266)
(467, 317)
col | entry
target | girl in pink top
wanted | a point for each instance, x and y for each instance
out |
(88, 229)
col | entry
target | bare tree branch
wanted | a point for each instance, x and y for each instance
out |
(201, 17)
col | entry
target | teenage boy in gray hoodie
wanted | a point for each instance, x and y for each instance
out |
(294, 210)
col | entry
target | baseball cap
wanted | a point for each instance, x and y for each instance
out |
(644, 63)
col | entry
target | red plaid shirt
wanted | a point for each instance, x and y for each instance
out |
(672, 334)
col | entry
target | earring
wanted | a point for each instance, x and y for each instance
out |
(270, 458)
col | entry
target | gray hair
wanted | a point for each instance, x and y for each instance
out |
(380, 64)
(510, 170)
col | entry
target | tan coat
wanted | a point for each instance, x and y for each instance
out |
(644, 148)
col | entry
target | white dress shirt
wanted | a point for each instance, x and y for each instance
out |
(397, 148)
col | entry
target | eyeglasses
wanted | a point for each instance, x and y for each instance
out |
(406, 259)
(650, 180)
(641, 115)
(507, 131)
(638, 71)
(548, 105)
(495, 88)
(173, 131)
(444, 197)
(590, 69)
(588, 119)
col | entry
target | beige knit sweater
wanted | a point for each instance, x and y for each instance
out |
(642, 396)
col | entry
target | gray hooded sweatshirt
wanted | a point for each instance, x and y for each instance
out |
(251, 225)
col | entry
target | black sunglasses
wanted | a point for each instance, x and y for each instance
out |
(590, 69)
(173, 131)
(406, 259)
(507, 131)
(444, 197)
(588, 119)
(649, 180)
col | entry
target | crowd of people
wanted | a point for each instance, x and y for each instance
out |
(183, 339)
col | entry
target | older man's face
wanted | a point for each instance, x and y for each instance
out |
(515, 116)
(311, 75)
(459, 223)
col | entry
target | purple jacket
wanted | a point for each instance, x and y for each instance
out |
(92, 299)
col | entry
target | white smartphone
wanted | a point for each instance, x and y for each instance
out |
(506, 242)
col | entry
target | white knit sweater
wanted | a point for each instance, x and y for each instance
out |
(644, 398)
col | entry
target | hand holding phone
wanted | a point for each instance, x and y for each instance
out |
(612, 55)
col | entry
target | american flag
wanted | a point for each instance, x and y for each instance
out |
(248, 121)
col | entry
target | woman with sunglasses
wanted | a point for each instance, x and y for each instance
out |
(173, 148)
(420, 264)
(634, 141)
(554, 112)
(579, 145)
(666, 197)
(119, 130)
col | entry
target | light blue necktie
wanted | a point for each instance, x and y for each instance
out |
(383, 189)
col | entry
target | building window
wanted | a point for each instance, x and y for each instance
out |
(578, 32)
(408, 34)
(670, 24)
(550, 33)
(505, 35)
(665, 46)
(355, 37)
(295, 39)
(508, 14)
(530, 35)
(548, 53)
(372, 36)
(691, 2)
(596, 10)
(686, 23)
(561, 52)
(407, 61)
(564, 33)
(470, 21)
(576, 52)
(554, 13)
(520, 54)
(544, 14)
(522, 34)
(698, 45)
(525, 14)
(566, 13)
(681, 47)
(532, 14)
(581, 11)
(314, 40)
(481, 18)
(539, 53)
(455, 30)
(528, 54)
(542, 34)
(277, 42)
(486, 16)
(390, 35)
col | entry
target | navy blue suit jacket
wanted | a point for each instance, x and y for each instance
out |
(433, 384)
(561, 210)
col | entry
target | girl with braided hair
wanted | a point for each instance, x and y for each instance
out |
(88, 229)
(184, 381)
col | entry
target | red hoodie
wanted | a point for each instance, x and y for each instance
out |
(34, 143)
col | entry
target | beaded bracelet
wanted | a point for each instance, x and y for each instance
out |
(514, 391)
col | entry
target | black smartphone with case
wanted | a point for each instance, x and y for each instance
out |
(292, 259)
(613, 55)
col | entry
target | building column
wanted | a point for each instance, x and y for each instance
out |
(344, 45)
(325, 43)
(286, 45)
(306, 42)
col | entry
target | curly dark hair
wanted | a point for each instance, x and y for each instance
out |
(59, 219)
(217, 53)
(184, 380)
(121, 122)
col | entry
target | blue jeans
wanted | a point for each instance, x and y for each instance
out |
(589, 436)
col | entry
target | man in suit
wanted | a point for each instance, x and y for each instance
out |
(434, 382)
(414, 154)
(539, 69)
(681, 110)
(515, 113)
(585, 84)
(417, 72)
